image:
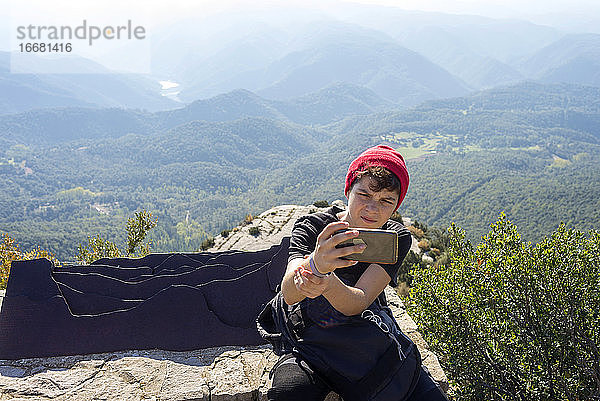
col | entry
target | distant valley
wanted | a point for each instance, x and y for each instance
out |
(271, 105)
(404, 58)
(530, 149)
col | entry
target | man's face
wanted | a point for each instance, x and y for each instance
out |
(367, 208)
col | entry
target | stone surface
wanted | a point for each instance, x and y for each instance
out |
(212, 374)
(272, 225)
(224, 373)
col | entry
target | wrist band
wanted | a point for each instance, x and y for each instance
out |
(313, 267)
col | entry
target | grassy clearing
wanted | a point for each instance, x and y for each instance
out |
(414, 145)
(559, 162)
(412, 153)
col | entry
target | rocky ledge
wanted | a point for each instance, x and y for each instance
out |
(225, 373)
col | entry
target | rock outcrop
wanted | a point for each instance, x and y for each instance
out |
(224, 373)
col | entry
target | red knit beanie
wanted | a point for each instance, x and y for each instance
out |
(384, 156)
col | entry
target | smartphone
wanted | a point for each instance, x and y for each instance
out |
(382, 246)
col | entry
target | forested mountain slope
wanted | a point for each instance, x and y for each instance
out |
(531, 150)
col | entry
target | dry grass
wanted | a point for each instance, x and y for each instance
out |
(424, 245)
(417, 232)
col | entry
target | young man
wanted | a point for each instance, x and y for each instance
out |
(376, 184)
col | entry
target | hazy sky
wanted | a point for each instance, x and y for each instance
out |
(492, 8)
(566, 14)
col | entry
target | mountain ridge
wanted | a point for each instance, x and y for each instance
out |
(56, 125)
(526, 144)
(90, 89)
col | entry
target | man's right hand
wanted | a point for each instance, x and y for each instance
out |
(326, 256)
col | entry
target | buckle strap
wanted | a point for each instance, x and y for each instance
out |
(383, 326)
(298, 321)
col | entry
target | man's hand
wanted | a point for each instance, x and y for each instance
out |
(308, 284)
(327, 256)
(299, 282)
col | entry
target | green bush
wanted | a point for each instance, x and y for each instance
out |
(411, 260)
(207, 243)
(321, 203)
(137, 228)
(436, 238)
(97, 248)
(422, 226)
(515, 321)
(10, 251)
(396, 216)
(254, 230)
(225, 233)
